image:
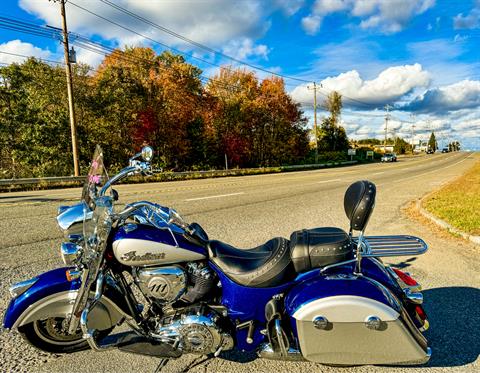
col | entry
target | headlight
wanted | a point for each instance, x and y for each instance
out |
(70, 252)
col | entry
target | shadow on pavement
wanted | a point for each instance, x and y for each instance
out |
(405, 263)
(454, 334)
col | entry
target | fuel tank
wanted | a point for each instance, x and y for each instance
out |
(143, 245)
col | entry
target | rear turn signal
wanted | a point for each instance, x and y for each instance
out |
(405, 278)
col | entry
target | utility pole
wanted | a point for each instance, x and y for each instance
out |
(387, 118)
(68, 72)
(314, 89)
(413, 135)
(413, 128)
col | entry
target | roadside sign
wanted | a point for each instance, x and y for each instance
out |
(369, 153)
(351, 151)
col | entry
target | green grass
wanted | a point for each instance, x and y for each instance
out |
(458, 203)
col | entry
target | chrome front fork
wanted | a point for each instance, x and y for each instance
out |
(89, 334)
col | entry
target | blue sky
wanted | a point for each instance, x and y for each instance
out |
(419, 56)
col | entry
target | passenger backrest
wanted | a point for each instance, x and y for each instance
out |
(359, 202)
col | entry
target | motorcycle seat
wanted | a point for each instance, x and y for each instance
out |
(266, 265)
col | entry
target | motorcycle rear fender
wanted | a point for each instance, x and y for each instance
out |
(52, 295)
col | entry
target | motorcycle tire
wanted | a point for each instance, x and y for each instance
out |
(49, 335)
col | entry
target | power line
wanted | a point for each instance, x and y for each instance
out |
(154, 40)
(197, 44)
(86, 43)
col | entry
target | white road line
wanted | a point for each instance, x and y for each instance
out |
(379, 173)
(328, 181)
(217, 196)
(429, 172)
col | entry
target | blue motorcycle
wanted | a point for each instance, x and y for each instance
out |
(323, 296)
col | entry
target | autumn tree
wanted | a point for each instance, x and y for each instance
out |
(258, 123)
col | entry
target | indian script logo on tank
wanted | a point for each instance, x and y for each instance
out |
(132, 256)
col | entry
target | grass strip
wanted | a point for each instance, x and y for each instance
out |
(458, 203)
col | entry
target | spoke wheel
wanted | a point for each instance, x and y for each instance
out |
(54, 330)
(52, 335)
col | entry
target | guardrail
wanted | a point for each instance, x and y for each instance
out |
(175, 175)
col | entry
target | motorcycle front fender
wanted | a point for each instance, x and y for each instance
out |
(52, 295)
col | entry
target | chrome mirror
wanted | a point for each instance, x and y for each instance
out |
(147, 153)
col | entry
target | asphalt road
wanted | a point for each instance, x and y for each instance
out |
(246, 211)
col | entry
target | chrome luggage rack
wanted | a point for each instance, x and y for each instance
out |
(375, 246)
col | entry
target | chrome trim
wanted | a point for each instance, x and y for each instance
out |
(73, 274)
(326, 268)
(21, 287)
(320, 322)
(166, 284)
(72, 215)
(265, 351)
(373, 322)
(281, 341)
(70, 252)
(89, 334)
(413, 297)
(384, 246)
(75, 238)
(425, 327)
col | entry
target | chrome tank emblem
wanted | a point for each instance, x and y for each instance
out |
(144, 252)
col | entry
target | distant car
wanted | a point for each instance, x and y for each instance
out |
(445, 150)
(389, 157)
(430, 151)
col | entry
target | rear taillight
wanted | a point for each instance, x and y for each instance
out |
(421, 313)
(408, 280)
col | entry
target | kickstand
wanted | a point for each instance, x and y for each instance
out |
(161, 365)
(198, 361)
(164, 361)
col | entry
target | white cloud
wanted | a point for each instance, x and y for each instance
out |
(290, 7)
(462, 95)
(470, 21)
(311, 24)
(90, 58)
(244, 48)
(211, 22)
(387, 16)
(20, 47)
(389, 86)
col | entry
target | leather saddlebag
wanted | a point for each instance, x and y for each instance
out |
(319, 247)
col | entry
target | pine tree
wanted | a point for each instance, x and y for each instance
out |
(432, 143)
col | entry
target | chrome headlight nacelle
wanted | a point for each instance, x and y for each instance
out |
(71, 252)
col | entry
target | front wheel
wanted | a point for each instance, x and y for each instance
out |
(51, 335)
